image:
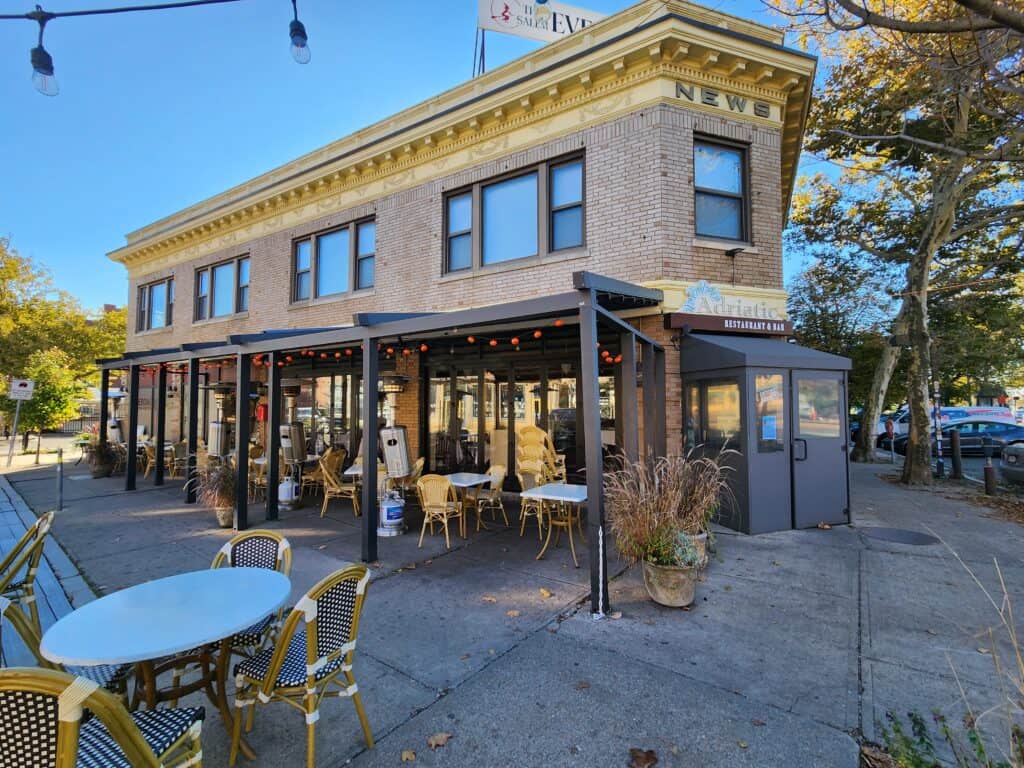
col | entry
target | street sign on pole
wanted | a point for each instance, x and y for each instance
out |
(21, 389)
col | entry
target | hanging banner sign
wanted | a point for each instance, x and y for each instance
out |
(537, 19)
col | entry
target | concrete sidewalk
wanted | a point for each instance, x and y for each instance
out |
(798, 645)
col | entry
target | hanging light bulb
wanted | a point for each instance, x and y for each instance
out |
(42, 63)
(300, 40)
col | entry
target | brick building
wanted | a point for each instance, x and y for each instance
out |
(657, 149)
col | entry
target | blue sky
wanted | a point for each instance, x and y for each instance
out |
(159, 110)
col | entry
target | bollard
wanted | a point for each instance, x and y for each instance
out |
(990, 471)
(60, 479)
(957, 471)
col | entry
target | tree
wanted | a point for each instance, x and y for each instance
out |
(928, 131)
(53, 401)
(935, 18)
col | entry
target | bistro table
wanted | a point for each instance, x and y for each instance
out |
(465, 481)
(563, 494)
(152, 621)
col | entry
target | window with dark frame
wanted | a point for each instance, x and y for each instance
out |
(335, 261)
(155, 305)
(222, 289)
(527, 213)
(720, 190)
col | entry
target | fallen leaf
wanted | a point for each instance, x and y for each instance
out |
(408, 756)
(321, 546)
(512, 614)
(582, 685)
(427, 562)
(491, 651)
(727, 588)
(649, 622)
(758, 723)
(489, 599)
(742, 744)
(439, 739)
(825, 526)
(640, 758)
(674, 749)
(464, 656)
(545, 592)
(776, 562)
(984, 650)
(615, 615)
(931, 631)
(411, 567)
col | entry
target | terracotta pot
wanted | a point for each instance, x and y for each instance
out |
(670, 585)
(225, 516)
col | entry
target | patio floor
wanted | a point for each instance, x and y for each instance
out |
(798, 645)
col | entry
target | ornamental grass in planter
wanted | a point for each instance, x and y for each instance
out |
(660, 513)
(101, 457)
(217, 488)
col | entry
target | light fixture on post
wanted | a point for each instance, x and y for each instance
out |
(392, 385)
(42, 63)
(300, 40)
(733, 253)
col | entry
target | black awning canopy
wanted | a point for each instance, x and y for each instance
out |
(704, 352)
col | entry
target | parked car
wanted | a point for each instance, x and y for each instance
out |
(1012, 464)
(972, 431)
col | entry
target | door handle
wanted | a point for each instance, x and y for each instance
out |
(804, 443)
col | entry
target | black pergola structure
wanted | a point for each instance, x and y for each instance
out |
(592, 304)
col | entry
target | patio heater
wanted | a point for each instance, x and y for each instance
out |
(396, 459)
(221, 431)
(293, 444)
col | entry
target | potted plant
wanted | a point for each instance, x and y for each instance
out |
(660, 513)
(216, 488)
(101, 457)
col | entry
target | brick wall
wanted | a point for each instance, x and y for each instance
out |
(639, 226)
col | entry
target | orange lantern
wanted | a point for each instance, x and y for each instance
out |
(493, 342)
(537, 334)
(423, 347)
(559, 323)
(515, 341)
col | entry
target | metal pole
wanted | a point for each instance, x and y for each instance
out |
(193, 430)
(627, 408)
(940, 466)
(243, 384)
(133, 428)
(101, 432)
(957, 472)
(990, 471)
(161, 423)
(60, 479)
(370, 439)
(273, 433)
(14, 433)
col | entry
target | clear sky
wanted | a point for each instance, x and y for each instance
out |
(159, 110)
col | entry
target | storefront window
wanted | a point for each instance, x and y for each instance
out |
(155, 305)
(460, 225)
(567, 205)
(366, 248)
(332, 266)
(694, 430)
(723, 415)
(510, 219)
(819, 404)
(719, 187)
(768, 399)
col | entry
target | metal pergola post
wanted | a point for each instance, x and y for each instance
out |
(650, 400)
(371, 367)
(161, 423)
(588, 402)
(660, 443)
(104, 405)
(243, 383)
(273, 441)
(193, 430)
(626, 408)
(133, 428)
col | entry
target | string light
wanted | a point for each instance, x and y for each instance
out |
(423, 347)
(493, 342)
(299, 38)
(471, 339)
(537, 334)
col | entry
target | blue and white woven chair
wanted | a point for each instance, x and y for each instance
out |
(251, 549)
(112, 677)
(312, 659)
(19, 567)
(41, 724)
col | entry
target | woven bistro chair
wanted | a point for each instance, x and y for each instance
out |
(491, 497)
(41, 724)
(440, 504)
(148, 459)
(250, 549)
(408, 483)
(113, 677)
(314, 479)
(312, 659)
(335, 487)
(257, 478)
(530, 476)
(19, 567)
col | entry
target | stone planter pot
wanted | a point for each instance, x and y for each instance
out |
(225, 516)
(670, 585)
(700, 543)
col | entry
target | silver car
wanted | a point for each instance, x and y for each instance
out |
(1011, 465)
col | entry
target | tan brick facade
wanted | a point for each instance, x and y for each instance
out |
(639, 227)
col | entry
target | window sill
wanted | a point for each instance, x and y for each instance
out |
(556, 257)
(220, 319)
(725, 245)
(151, 331)
(332, 299)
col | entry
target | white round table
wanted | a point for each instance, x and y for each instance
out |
(157, 619)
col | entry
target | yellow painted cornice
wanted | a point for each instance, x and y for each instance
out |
(626, 61)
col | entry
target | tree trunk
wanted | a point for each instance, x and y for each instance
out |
(864, 450)
(918, 465)
(39, 444)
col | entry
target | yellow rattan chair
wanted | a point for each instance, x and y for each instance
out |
(530, 476)
(41, 714)
(491, 497)
(439, 503)
(336, 488)
(314, 479)
(149, 459)
(312, 659)
(408, 483)
(19, 567)
(113, 677)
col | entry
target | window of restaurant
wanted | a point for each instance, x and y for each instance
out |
(526, 214)
(155, 305)
(222, 289)
(334, 262)
(720, 190)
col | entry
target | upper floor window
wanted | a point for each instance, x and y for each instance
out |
(155, 305)
(331, 263)
(719, 179)
(222, 289)
(526, 214)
